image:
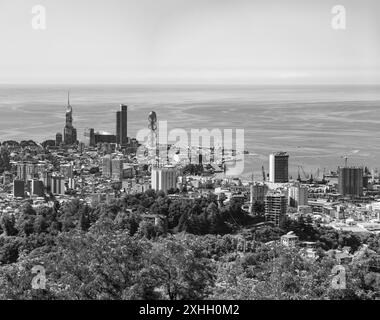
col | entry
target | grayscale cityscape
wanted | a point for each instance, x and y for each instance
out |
(198, 150)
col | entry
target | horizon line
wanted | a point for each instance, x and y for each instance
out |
(182, 84)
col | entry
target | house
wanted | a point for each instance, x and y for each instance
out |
(289, 239)
(343, 257)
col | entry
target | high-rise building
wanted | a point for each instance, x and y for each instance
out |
(21, 171)
(47, 178)
(278, 167)
(121, 125)
(19, 188)
(27, 170)
(69, 132)
(89, 135)
(58, 139)
(258, 192)
(36, 188)
(32, 170)
(365, 181)
(118, 120)
(107, 166)
(71, 183)
(164, 178)
(350, 181)
(298, 196)
(275, 208)
(117, 169)
(58, 185)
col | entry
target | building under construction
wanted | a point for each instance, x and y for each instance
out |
(350, 181)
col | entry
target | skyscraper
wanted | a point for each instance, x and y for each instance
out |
(164, 178)
(47, 180)
(18, 188)
(21, 171)
(121, 125)
(58, 185)
(36, 188)
(278, 167)
(69, 132)
(350, 181)
(89, 135)
(275, 208)
(27, 170)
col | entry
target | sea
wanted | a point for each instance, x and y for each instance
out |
(317, 125)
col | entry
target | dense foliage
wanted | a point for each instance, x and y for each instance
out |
(204, 251)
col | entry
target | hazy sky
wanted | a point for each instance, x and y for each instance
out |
(189, 41)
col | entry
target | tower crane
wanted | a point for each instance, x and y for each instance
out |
(345, 157)
(299, 175)
(304, 173)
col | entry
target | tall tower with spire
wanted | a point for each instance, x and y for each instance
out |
(70, 133)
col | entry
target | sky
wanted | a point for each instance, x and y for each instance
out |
(190, 41)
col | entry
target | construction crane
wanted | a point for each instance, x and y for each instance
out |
(264, 177)
(324, 181)
(316, 175)
(303, 172)
(345, 157)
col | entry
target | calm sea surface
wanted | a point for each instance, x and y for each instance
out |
(316, 125)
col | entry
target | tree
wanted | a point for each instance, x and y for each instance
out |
(127, 221)
(48, 143)
(217, 224)
(84, 218)
(25, 222)
(193, 169)
(258, 208)
(41, 224)
(100, 265)
(27, 143)
(182, 274)
(9, 247)
(7, 223)
(94, 170)
(16, 282)
(267, 234)
(147, 229)
(232, 283)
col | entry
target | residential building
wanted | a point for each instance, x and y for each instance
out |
(278, 167)
(275, 208)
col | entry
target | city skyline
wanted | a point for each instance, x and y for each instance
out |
(189, 150)
(98, 112)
